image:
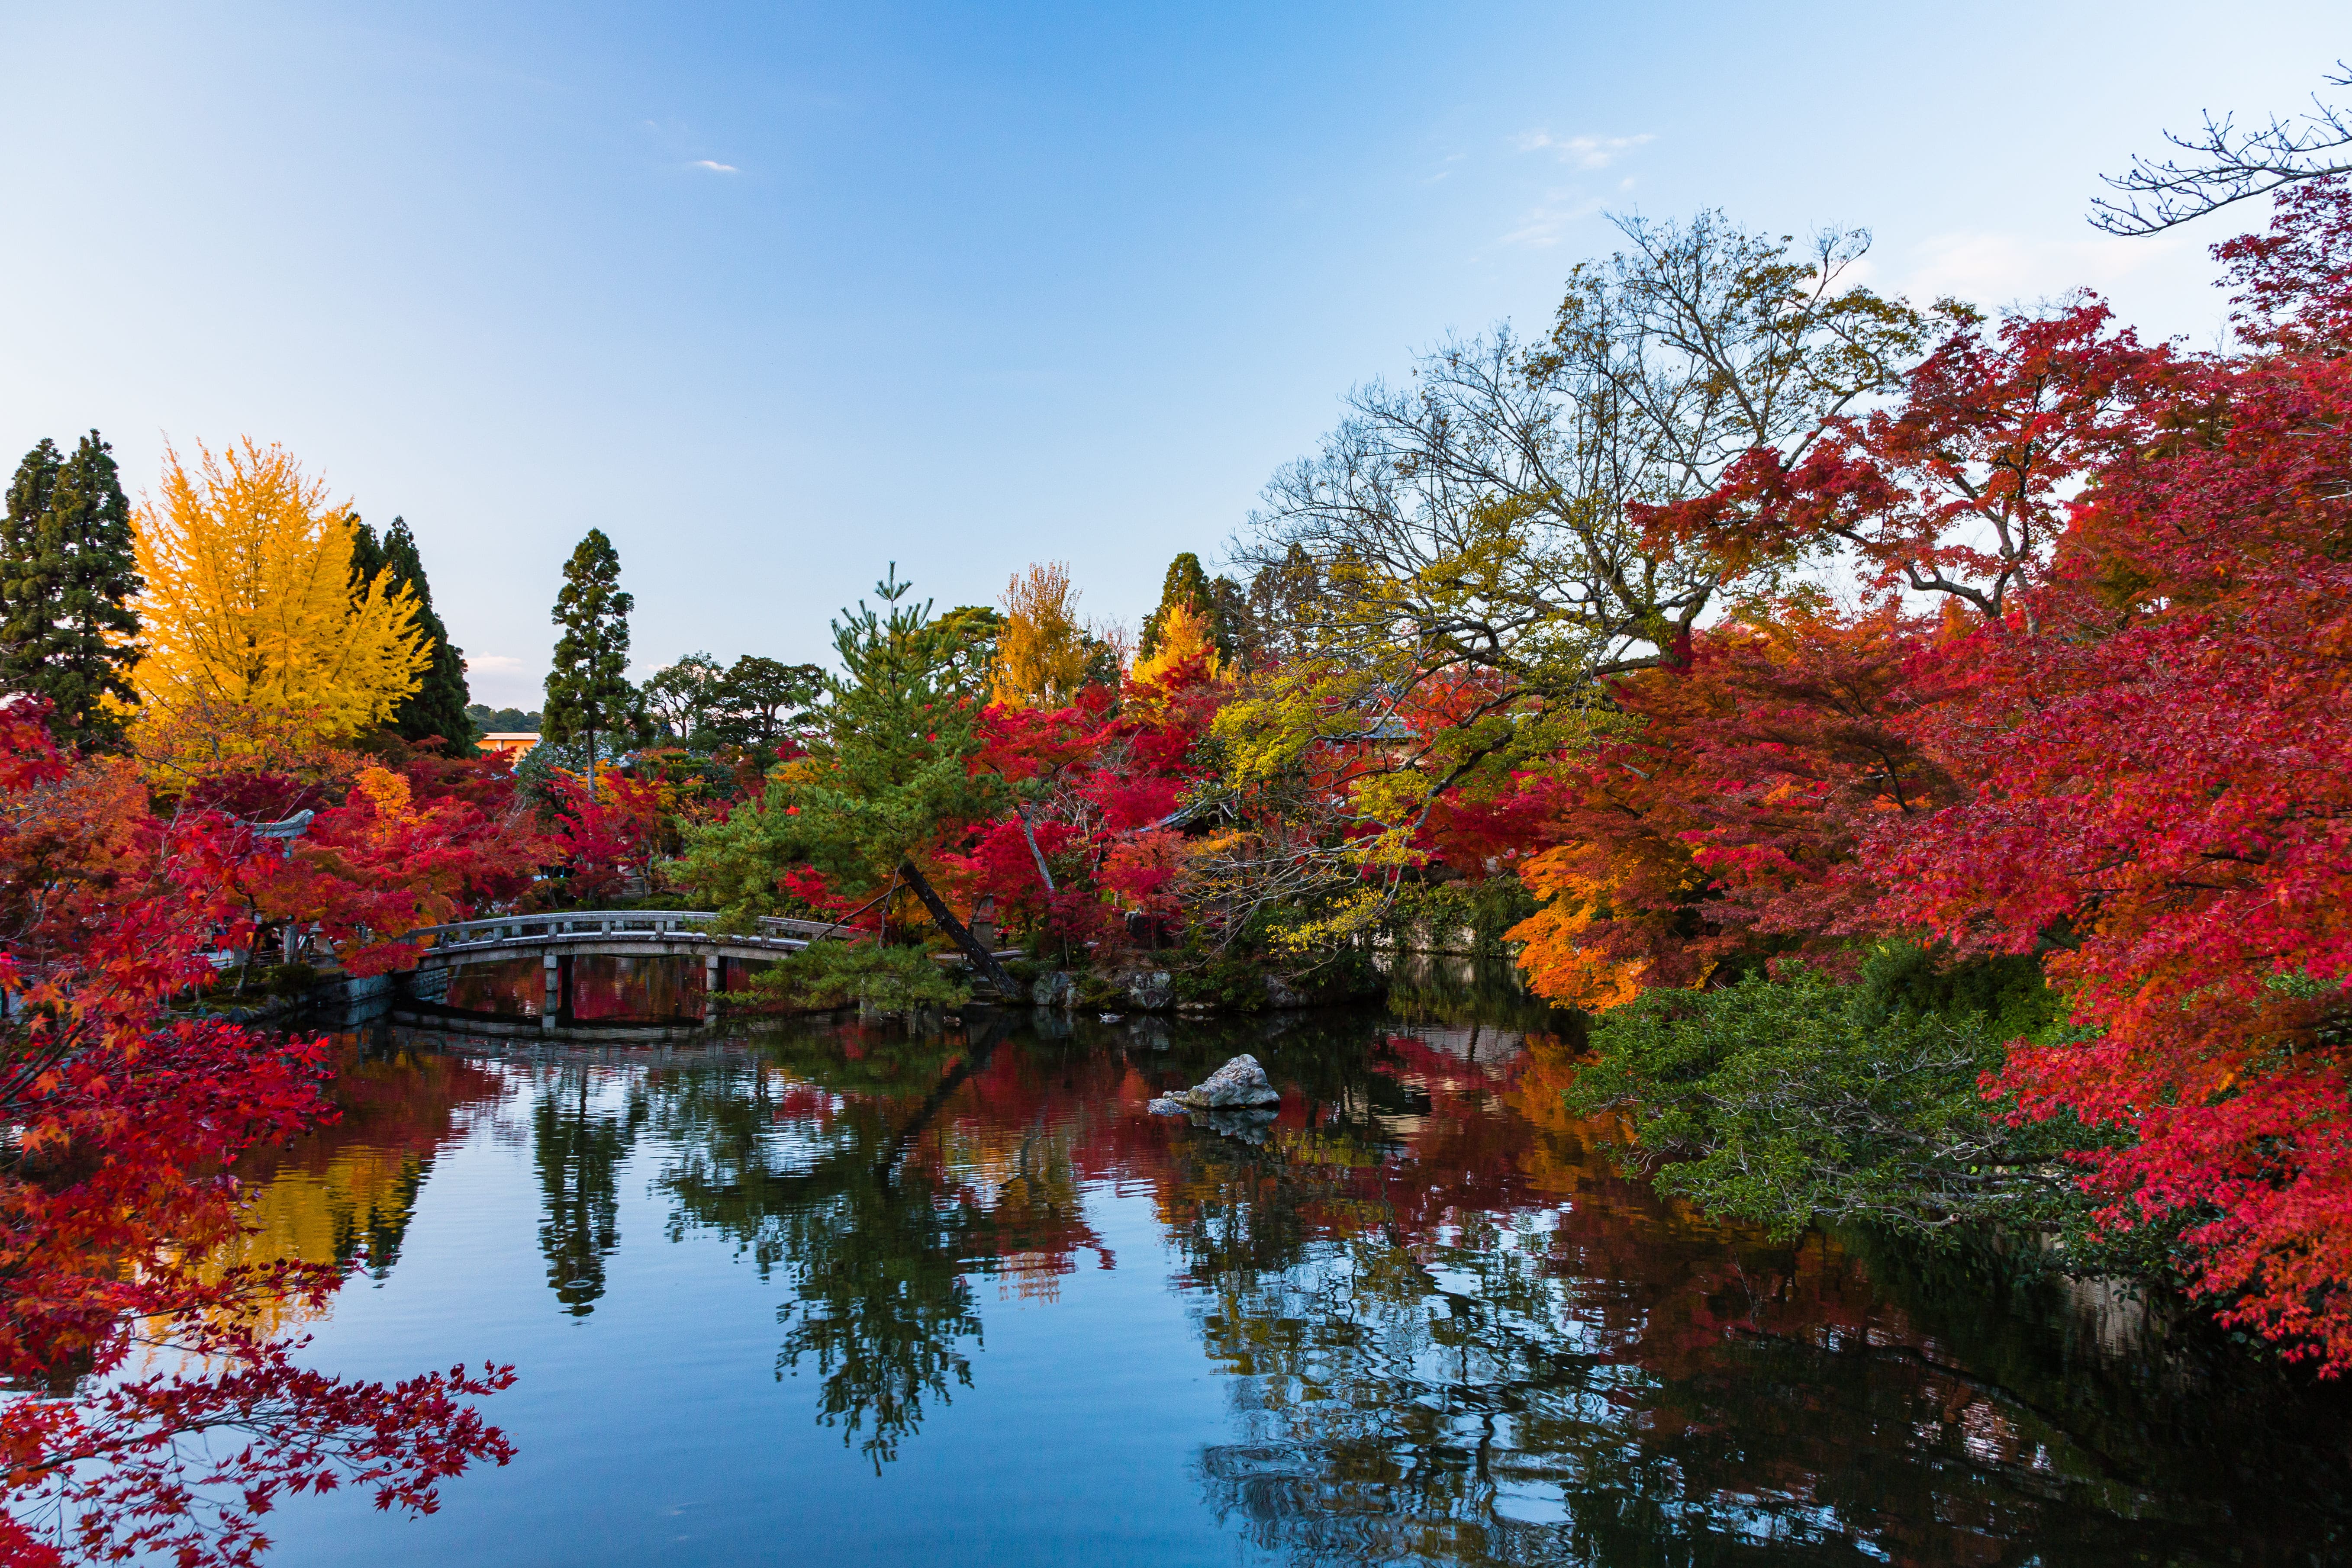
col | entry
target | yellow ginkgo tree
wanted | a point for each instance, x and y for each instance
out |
(249, 610)
(1042, 652)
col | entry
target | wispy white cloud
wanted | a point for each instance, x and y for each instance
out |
(1996, 268)
(714, 166)
(1584, 151)
(1548, 223)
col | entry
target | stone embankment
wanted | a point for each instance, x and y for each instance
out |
(1156, 991)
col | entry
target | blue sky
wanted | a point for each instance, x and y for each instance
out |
(775, 294)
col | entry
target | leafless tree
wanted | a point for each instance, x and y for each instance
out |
(1480, 514)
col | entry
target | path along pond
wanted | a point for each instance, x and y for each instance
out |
(840, 1294)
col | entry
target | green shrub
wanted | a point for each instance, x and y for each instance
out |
(1486, 909)
(839, 974)
(2007, 993)
(1229, 984)
(1790, 1101)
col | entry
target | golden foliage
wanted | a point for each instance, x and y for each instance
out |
(1352, 915)
(209, 737)
(248, 602)
(1184, 637)
(1041, 651)
(390, 799)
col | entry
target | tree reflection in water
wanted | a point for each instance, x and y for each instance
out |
(577, 1150)
(828, 1161)
(346, 1191)
(1456, 1336)
(1449, 1332)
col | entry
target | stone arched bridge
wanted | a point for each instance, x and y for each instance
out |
(686, 934)
(618, 933)
(556, 939)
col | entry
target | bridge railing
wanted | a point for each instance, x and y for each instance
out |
(622, 925)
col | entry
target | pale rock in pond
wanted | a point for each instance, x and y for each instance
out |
(1240, 1082)
(1236, 1101)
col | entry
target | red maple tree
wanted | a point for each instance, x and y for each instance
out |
(2142, 727)
(2166, 801)
(153, 1412)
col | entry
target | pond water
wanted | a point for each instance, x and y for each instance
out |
(840, 1294)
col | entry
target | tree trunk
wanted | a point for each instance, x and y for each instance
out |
(983, 962)
(1038, 854)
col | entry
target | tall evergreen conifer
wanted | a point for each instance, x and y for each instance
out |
(67, 573)
(437, 706)
(1219, 602)
(1187, 584)
(588, 691)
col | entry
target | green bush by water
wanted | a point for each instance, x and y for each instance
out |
(1796, 1101)
(840, 975)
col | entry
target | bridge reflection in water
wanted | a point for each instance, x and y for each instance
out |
(594, 988)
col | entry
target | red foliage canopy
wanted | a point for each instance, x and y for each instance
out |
(2147, 727)
(1725, 823)
(115, 1195)
(2166, 795)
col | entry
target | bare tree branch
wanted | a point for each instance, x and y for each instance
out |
(2225, 166)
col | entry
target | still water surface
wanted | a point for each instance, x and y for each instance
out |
(832, 1294)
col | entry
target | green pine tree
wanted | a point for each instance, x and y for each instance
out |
(68, 575)
(589, 697)
(757, 701)
(889, 769)
(439, 705)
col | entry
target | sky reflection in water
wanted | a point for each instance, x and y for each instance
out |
(834, 1295)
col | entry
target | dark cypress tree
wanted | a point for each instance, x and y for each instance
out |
(367, 556)
(68, 573)
(1219, 602)
(1185, 584)
(437, 706)
(1281, 611)
(588, 691)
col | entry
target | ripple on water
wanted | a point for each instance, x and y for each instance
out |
(842, 1293)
